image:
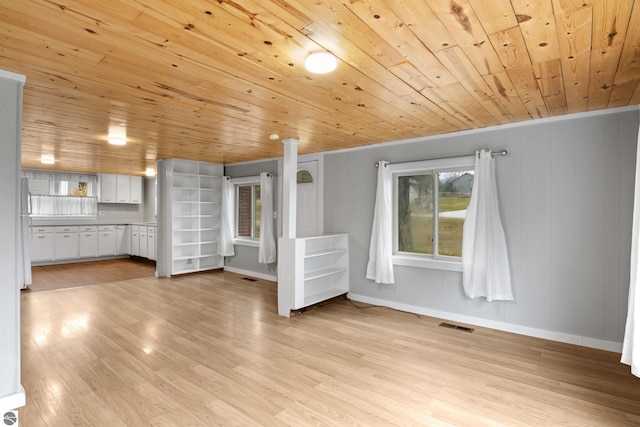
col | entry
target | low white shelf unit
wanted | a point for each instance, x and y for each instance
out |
(312, 270)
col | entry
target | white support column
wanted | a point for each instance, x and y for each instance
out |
(289, 188)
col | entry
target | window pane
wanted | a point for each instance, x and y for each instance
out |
(244, 211)
(415, 214)
(454, 192)
(258, 211)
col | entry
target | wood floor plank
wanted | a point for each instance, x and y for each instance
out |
(209, 349)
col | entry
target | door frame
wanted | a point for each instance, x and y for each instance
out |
(319, 157)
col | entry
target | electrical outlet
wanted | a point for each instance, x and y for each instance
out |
(101, 213)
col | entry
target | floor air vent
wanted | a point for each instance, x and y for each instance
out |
(249, 279)
(457, 327)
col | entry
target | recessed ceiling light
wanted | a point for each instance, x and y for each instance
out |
(47, 159)
(320, 62)
(150, 172)
(274, 136)
(117, 140)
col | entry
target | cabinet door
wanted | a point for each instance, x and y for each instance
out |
(66, 245)
(42, 247)
(123, 240)
(107, 243)
(123, 188)
(135, 241)
(107, 188)
(151, 243)
(136, 189)
(144, 252)
(88, 244)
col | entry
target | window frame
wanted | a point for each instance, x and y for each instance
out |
(253, 181)
(414, 259)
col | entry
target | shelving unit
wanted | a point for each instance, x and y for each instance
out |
(312, 270)
(189, 216)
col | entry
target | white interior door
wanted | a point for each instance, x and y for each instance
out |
(308, 217)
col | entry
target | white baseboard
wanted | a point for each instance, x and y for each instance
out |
(13, 401)
(251, 273)
(494, 324)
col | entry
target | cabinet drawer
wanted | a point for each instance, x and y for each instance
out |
(106, 228)
(67, 229)
(40, 229)
(88, 228)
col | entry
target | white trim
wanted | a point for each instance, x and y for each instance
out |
(243, 241)
(411, 260)
(254, 179)
(431, 165)
(250, 273)
(13, 76)
(488, 129)
(13, 401)
(494, 324)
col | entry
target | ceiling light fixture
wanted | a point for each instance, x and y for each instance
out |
(274, 136)
(117, 135)
(150, 172)
(47, 159)
(320, 62)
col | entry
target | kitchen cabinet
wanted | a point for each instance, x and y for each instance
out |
(142, 235)
(42, 244)
(120, 189)
(88, 241)
(135, 240)
(107, 188)
(66, 242)
(123, 239)
(151, 243)
(123, 188)
(107, 240)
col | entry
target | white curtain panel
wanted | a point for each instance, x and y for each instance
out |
(267, 243)
(630, 354)
(380, 265)
(225, 243)
(485, 264)
(44, 205)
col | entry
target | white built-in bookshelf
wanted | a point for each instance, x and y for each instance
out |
(312, 270)
(192, 207)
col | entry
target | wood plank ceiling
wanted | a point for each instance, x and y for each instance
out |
(211, 80)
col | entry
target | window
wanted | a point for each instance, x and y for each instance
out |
(55, 197)
(249, 210)
(431, 199)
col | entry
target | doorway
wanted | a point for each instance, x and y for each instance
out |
(309, 209)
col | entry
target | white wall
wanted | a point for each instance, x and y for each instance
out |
(566, 193)
(11, 393)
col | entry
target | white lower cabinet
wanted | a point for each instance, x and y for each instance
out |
(144, 247)
(151, 243)
(42, 244)
(107, 240)
(123, 239)
(66, 242)
(88, 241)
(135, 240)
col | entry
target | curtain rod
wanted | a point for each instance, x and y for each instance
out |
(502, 152)
(248, 176)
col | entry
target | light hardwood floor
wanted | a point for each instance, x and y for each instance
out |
(209, 349)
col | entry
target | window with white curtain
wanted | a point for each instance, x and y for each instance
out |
(430, 200)
(248, 210)
(61, 194)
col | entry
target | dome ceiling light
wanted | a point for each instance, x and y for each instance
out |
(320, 62)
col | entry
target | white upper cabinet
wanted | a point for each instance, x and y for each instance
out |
(120, 189)
(108, 188)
